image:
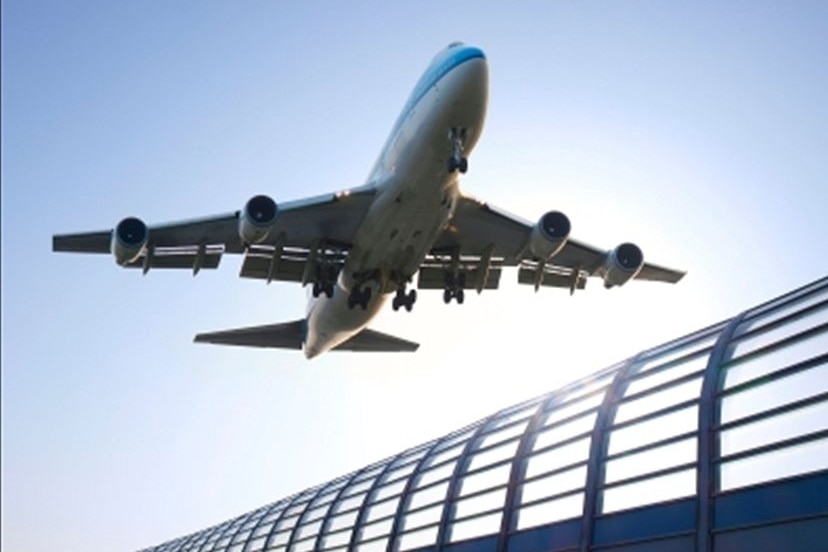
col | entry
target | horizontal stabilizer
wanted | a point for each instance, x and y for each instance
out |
(374, 341)
(287, 335)
(291, 335)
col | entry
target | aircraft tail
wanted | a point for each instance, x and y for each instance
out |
(291, 335)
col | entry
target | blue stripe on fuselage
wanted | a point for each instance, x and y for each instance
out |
(437, 70)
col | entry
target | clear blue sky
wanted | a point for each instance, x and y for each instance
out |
(698, 130)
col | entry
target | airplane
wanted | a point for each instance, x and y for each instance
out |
(357, 248)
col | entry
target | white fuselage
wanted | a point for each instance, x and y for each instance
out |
(415, 194)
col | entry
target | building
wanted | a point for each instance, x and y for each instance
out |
(714, 441)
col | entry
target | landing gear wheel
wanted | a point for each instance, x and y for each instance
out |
(329, 290)
(460, 295)
(316, 290)
(359, 296)
(403, 299)
(463, 165)
(447, 295)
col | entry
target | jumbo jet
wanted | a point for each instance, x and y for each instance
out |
(356, 248)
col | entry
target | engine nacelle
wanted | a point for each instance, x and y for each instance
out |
(129, 239)
(549, 235)
(257, 219)
(622, 264)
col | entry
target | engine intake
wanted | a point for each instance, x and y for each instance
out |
(257, 219)
(129, 239)
(549, 235)
(622, 264)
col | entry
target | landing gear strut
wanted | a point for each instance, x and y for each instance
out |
(454, 288)
(325, 278)
(457, 161)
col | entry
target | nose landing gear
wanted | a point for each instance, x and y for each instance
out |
(457, 161)
(454, 288)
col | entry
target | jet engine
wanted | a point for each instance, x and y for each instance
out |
(549, 235)
(257, 219)
(129, 240)
(622, 264)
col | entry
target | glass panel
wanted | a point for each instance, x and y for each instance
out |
(400, 472)
(256, 545)
(418, 539)
(279, 539)
(373, 546)
(392, 489)
(793, 387)
(509, 416)
(358, 488)
(492, 456)
(316, 513)
(703, 342)
(571, 409)
(262, 529)
(475, 527)
(436, 474)
(343, 520)
(649, 491)
(461, 437)
(380, 528)
(423, 517)
(556, 458)
(296, 509)
(788, 329)
(796, 306)
(587, 386)
(775, 360)
(307, 530)
(485, 480)
(654, 429)
(790, 304)
(502, 435)
(303, 546)
(560, 433)
(659, 458)
(787, 462)
(687, 367)
(340, 538)
(287, 523)
(448, 454)
(383, 509)
(558, 483)
(349, 503)
(795, 423)
(429, 495)
(571, 506)
(480, 503)
(660, 400)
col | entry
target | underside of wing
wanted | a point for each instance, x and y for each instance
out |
(482, 239)
(280, 242)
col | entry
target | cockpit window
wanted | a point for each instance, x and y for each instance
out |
(455, 44)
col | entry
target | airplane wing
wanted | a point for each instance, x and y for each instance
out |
(481, 239)
(303, 228)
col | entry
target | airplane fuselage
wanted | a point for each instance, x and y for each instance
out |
(416, 194)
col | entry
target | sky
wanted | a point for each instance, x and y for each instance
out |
(697, 130)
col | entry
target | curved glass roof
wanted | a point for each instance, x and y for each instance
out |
(627, 437)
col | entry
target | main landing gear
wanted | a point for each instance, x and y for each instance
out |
(325, 279)
(457, 161)
(454, 288)
(403, 299)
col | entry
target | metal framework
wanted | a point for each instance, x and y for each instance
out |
(698, 444)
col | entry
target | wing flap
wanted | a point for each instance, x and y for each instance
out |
(179, 258)
(551, 277)
(434, 277)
